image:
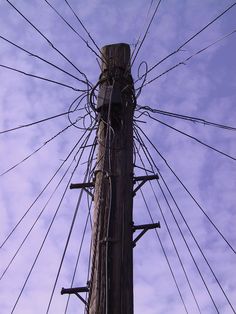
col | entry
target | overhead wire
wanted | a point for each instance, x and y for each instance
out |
(183, 117)
(48, 230)
(101, 57)
(77, 260)
(151, 161)
(73, 29)
(41, 192)
(146, 32)
(85, 227)
(38, 121)
(194, 138)
(71, 227)
(144, 23)
(196, 242)
(35, 151)
(168, 229)
(36, 220)
(192, 37)
(183, 62)
(41, 78)
(189, 193)
(31, 54)
(48, 41)
(165, 254)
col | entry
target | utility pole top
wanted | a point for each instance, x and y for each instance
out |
(116, 55)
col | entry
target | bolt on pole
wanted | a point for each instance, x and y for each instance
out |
(111, 276)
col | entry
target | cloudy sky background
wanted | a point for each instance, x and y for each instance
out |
(204, 87)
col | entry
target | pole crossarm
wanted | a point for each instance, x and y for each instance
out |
(143, 180)
(86, 186)
(144, 229)
(76, 291)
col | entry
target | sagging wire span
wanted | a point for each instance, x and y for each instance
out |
(143, 111)
(41, 78)
(47, 40)
(188, 192)
(31, 54)
(35, 151)
(184, 62)
(72, 28)
(41, 193)
(194, 138)
(191, 38)
(152, 164)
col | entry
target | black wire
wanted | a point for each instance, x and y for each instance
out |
(43, 242)
(40, 194)
(190, 194)
(41, 78)
(203, 280)
(169, 232)
(88, 216)
(183, 117)
(72, 28)
(192, 37)
(37, 122)
(146, 32)
(194, 138)
(70, 231)
(37, 219)
(208, 264)
(166, 257)
(89, 35)
(31, 54)
(183, 62)
(139, 37)
(35, 151)
(49, 228)
(48, 41)
(77, 260)
(144, 78)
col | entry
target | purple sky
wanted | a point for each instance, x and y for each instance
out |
(204, 87)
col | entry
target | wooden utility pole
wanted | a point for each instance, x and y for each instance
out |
(111, 284)
(110, 289)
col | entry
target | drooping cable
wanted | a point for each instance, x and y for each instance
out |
(36, 220)
(146, 32)
(48, 41)
(70, 230)
(87, 32)
(169, 232)
(165, 254)
(152, 163)
(37, 122)
(31, 54)
(183, 117)
(88, 217)
(41, 193)
(48, 230)
(72, 28)
(41, 78)
(189, 193)
(35, 151)
(194, 138)
(192, 37)
(183, 62)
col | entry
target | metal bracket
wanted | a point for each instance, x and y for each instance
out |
(85, 186)
(143, 180)
(144, 229)
(76, 291)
